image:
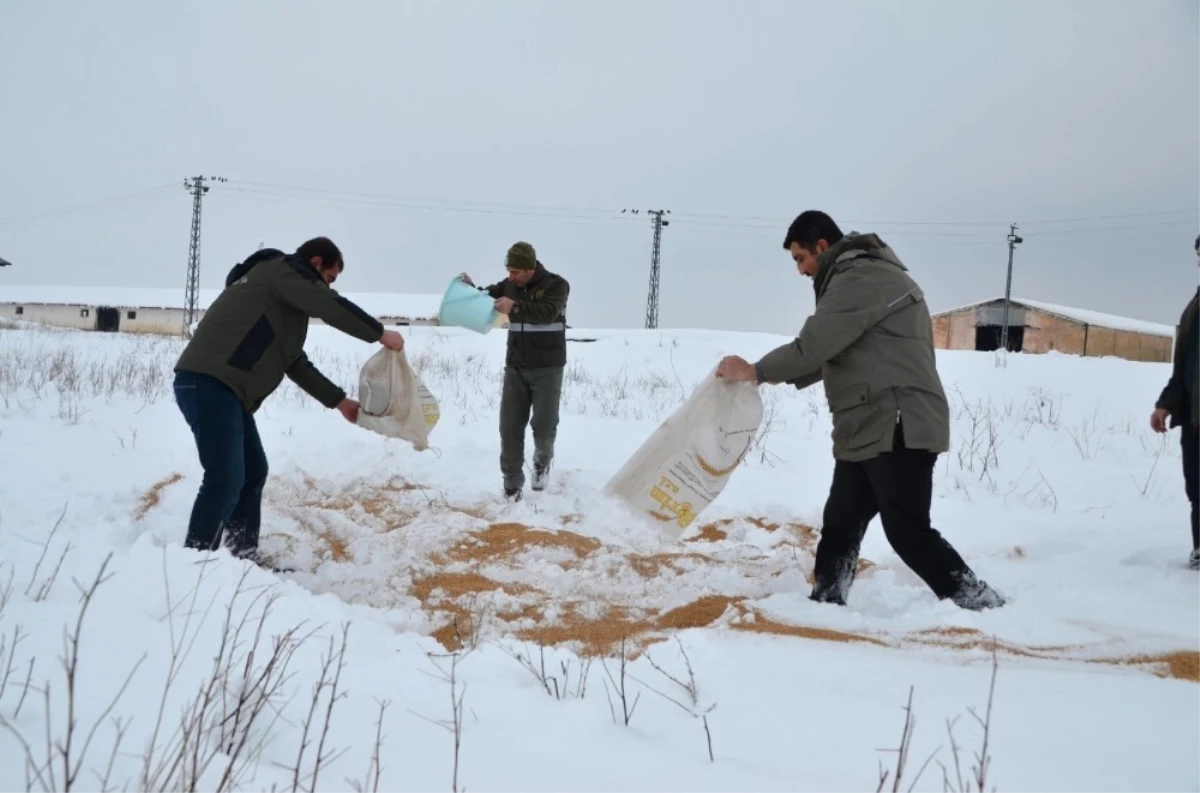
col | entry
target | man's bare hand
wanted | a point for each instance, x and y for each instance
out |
(736, 370)
(349, 409)
(505, 305)
(392, 340)
(1158, 420)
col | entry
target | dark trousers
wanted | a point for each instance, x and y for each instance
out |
(525, 391)
(1190, 443)
(897, 486)
(235, 465)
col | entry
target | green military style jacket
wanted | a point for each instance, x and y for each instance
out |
(871, 341)
(537, 326)
(253, 334)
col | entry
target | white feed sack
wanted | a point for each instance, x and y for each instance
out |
(686, 463)
(393, 401)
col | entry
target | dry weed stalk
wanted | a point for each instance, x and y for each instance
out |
(558, 689)
(771, 419)
(626, 708)
(983, 760)
(458, 690)
(374, 768)
(39, 592)
(902, 752)
(223, 727)
(982, 439)
(63, 758)
(690, 689)
(323, 682)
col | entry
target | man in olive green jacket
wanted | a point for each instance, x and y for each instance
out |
(535, 301)
(870, 341)
(250, 338)
(1180, 403)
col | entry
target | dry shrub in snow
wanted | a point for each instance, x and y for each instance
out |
(979, 772)
(457, 689)
(690, 700)
(210, 728)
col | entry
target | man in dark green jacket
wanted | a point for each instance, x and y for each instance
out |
(535, 301)
(870, 341)
(250, 338)
(1180, 401)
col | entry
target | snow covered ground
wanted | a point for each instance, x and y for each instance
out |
(1055, 490)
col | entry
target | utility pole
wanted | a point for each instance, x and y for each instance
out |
(1013, 242)
(197, 187)
(656, 216)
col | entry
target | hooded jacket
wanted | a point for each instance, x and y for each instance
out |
(870, 340)
(253, 334)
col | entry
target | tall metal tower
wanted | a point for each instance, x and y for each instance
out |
(656, 217)
(197, 187)
(1013, 241)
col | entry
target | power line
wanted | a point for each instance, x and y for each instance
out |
(749, 225)
(486, 208)
(1113, 217)
(100, 203)
(714, 220)
(1068, 232)
(423, 200)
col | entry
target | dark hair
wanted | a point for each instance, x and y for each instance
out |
(323, 247)
(810, 226)
(1198, 243)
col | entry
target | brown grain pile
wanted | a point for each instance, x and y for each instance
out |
(593, 637)
(711, 532)
(761, 624)
(697, 614)
(1181, 664)
(456, 585)
(507, 540)
(463, 607)
(151, 498)
(653, 565)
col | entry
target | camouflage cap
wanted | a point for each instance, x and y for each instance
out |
(521, 256)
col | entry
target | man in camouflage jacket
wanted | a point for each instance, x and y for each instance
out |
(535, 301)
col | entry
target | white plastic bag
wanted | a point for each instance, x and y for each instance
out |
(393, 401)
(686, 463)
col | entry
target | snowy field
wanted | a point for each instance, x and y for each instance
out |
(484, 641)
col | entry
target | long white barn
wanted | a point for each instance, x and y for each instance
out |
(160, 311)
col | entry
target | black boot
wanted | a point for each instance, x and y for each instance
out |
(974, 594)
(253, 556)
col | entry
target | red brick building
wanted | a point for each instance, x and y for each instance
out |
(1037, 327)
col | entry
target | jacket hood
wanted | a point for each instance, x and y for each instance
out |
(239, 270)
(851, 243)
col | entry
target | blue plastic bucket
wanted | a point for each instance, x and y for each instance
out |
(467, 307)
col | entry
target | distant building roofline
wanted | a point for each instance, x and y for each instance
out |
(398, 305)
(1080, 315)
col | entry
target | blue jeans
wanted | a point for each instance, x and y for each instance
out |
(234, 463)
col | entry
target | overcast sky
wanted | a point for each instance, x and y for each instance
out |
(426, 137)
